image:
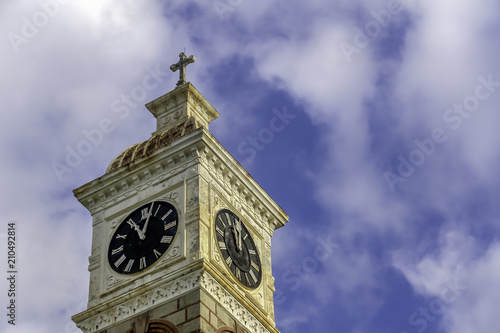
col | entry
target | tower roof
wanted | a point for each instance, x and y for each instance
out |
(177, 113)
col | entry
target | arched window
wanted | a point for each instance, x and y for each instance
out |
(226, 329)
(161, 326)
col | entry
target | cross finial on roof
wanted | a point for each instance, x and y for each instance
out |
(181, 66)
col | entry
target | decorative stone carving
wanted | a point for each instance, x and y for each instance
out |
(174, 195)
(109, 316)
(216, 200)
(231, 304)
(171, 253)
(216, 254)
(113, 281)
(171, 196)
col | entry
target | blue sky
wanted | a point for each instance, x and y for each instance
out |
(386, 160)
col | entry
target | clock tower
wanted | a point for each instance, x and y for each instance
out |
(181, 233)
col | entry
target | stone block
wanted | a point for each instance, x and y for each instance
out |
(177, 317)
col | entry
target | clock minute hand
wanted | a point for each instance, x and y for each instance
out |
(142, 233)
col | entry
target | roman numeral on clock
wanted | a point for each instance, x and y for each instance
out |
(243, 279)
(251, 251)
(170, 225)
(145, 213)
(120, 236)
(166, 215)
(229, 261)
(157, 209)
(142, 263)
(222, 245)
(252, 276)
(166, 239)
(129, 265)
(157, 254)
(255, 266)
(120, 260)
(222, 222)
(219, 231)
(131, 223)
(117, 250)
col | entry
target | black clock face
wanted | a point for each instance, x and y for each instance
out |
(238, 249)
(142, 237)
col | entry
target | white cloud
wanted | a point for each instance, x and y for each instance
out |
(459, 267)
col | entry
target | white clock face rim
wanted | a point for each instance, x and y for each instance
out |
(143, 237)
(247, 273)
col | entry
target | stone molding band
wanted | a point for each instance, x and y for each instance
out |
(165, 293)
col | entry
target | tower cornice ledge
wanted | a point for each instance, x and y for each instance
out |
(203, 148)
(130, 305)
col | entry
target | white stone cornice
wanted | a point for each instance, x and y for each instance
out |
(198, 146)
(110, 316)
(126, 181)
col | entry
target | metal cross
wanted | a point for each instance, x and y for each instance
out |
(181, 66)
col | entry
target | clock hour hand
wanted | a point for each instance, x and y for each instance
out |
(142, 233)
(237, 233)
(134, 226)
